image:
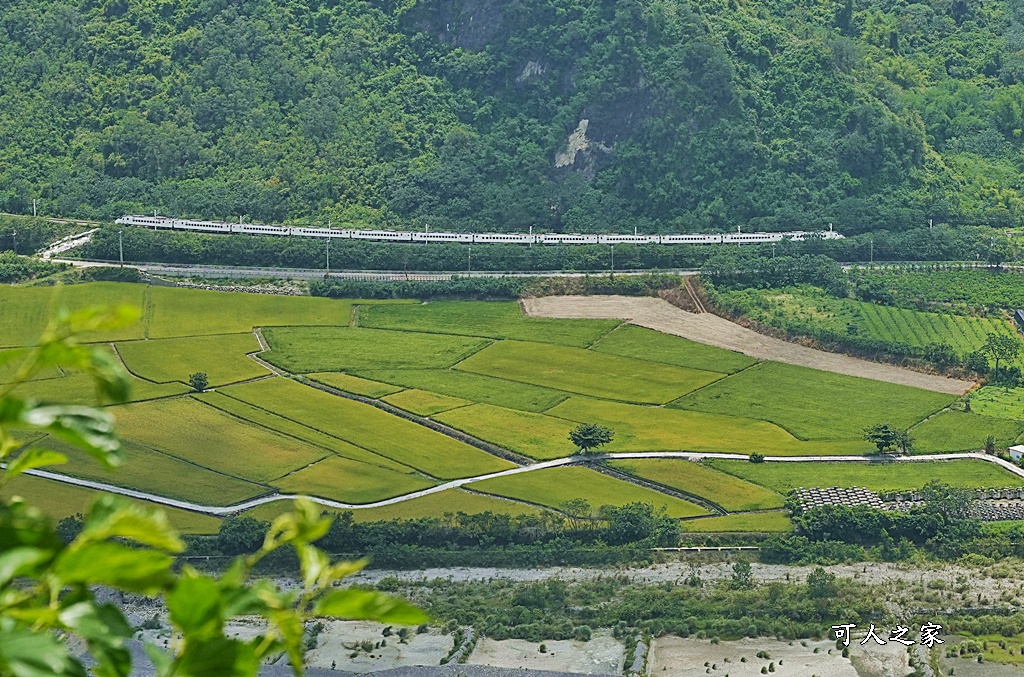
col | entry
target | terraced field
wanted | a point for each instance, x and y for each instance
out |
(481, 368)
(916, 328)
(809, 309)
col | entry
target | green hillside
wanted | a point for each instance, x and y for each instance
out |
(487, 114)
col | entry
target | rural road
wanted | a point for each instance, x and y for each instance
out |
(454, 484)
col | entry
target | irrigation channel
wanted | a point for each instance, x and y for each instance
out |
(454, 484)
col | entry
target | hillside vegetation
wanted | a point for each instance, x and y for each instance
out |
(483, 114)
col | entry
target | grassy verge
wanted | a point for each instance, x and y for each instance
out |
(743, 522)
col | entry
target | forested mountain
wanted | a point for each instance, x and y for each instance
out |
(667, 115)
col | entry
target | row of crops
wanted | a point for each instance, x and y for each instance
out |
(915, 328)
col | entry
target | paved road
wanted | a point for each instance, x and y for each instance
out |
(569, 460)
(187, 270)
(205, 270)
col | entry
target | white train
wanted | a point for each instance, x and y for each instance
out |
(223, 227)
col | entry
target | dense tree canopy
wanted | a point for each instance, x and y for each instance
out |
(485, 114)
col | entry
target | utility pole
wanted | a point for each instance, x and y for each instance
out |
(120, 247)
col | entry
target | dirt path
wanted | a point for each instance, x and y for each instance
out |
(706, 328)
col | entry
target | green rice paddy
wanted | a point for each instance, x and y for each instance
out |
(370, 428)
(815, 405)
(222, 358)
(483, 368)
(553, 487)
(492, 319)
(774, 521)
(878, 475)
(423, 402)
(646, 344)
(726, 490)
(586, 372)
(318, 349)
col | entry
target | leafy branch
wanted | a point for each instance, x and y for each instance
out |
(46, 586)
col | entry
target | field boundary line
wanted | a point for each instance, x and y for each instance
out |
(714, 508)
(330, 452)
(519, 501)
(458, 483)
(124, 365)
(715, 330)
(264, 347)
(424, 421)
(715, 382)
(147, 310)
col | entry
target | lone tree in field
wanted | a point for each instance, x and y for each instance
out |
(590, 436)
(885, 437)
(198, 381)
(904, 442)
(1001, 347)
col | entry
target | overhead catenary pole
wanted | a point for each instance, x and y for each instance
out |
(469, 260)
(15, 241)
(120, 247)
(328, 256)
(33, 207)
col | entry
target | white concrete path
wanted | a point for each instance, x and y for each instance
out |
(454, 484)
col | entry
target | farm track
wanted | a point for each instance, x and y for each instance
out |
(455, 484)
(713, 330)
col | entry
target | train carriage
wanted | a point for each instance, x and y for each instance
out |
(223, 227)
